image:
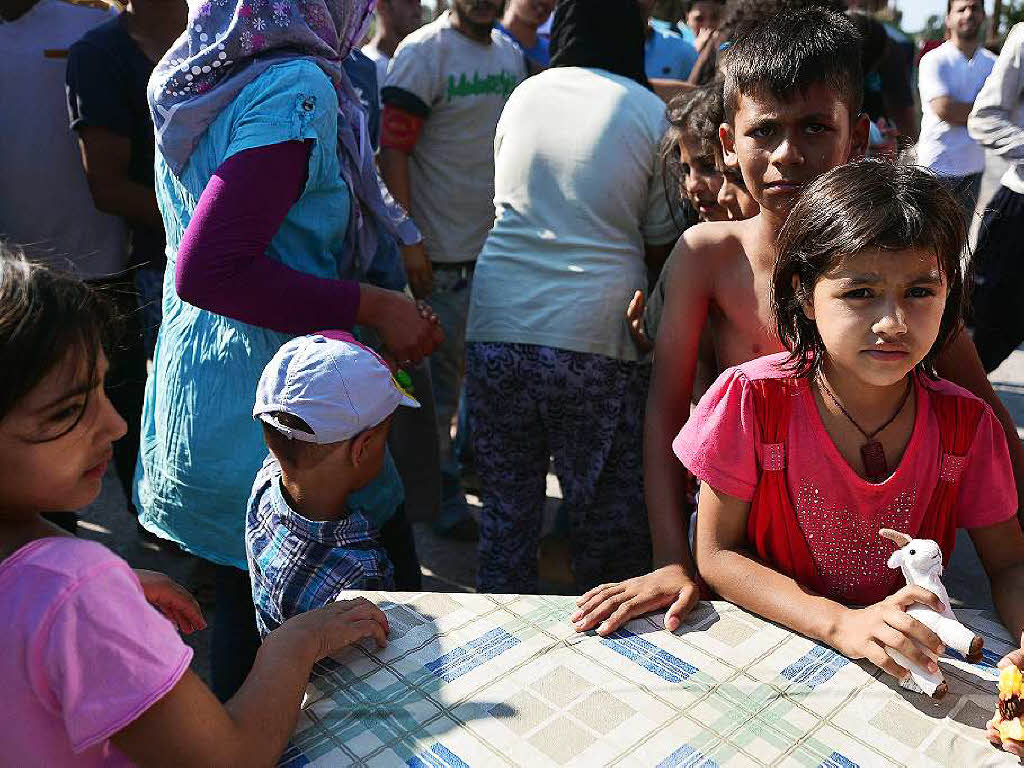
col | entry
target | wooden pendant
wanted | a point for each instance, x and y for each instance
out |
(873, 455)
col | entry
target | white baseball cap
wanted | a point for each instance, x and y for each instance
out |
(333, 383)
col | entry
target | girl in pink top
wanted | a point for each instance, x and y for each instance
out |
(804, 456)
(92, 669)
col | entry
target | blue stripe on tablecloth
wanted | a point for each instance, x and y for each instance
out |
(649, 656)
(439, 756)
(459, 661)
(835, 760)
(815, 667)
(687, 757)
(293, 757)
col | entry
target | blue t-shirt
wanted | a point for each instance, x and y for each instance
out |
(298, 565)
(667, 55)
(200, 447)
(537, 53)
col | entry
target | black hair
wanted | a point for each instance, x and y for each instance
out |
(792, 51)
(604, 34)
(696, 115)
(45, 315)
(861, 205)
(289, 451)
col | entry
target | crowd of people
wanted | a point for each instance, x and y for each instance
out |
(297, 281)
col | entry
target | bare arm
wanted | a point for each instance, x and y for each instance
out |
(667, 88)
(394, 169)
(960, 364)
(732, 571)
(687, 294)
(1001, 550)
(993, 120)
(950, 111)
(188, 726)
(106, 158)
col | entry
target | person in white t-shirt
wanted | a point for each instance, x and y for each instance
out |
(45, 204)
(950, 78)
(396, 19)
(582, 214)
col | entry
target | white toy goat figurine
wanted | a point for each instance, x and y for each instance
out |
(921, 562)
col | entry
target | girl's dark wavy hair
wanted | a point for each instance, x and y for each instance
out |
(44, 315)
(695, 114)
(865, 204)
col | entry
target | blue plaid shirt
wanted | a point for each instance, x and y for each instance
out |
(296, 564)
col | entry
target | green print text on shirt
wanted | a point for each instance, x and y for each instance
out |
(503, 83)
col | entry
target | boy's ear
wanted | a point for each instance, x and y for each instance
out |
(808, 306)
(359, 447)
(728, 139)
(859, 137)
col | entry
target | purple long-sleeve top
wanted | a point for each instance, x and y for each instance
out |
(223, 266)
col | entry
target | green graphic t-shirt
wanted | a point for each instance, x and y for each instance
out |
(464, 84)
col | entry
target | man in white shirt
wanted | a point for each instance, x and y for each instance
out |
(997, 122)
(45, 204)
(950, 78)
(396, 19)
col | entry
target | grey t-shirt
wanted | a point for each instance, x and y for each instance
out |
(462, 86)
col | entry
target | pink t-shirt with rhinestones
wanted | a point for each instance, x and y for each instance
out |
(840, 512)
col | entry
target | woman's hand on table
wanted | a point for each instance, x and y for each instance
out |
(341, 624)
(609, 606)
(409, 329)
(866, 633)
(1012, 746)
(172, 600)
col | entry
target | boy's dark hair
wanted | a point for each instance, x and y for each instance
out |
(44, 316)
(295, 453)
(865, 204)
(792, 51)
(695, 115)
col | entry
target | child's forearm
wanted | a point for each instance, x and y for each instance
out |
(741, 579)
(1007, 590)
(665, 480)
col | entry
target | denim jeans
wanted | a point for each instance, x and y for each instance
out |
(453, 285)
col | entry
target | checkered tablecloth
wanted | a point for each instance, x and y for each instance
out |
(489, 680)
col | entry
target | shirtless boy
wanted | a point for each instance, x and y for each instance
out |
(793, 92)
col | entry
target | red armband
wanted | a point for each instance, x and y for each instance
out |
(400, 129)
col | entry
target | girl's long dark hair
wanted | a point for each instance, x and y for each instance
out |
(44, 315)
(865, 204)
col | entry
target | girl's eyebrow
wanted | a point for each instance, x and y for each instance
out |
(77, 391)
(931, 277)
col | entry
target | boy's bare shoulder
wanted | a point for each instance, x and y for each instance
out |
(717, 235)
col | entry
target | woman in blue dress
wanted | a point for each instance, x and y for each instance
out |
(272, 206)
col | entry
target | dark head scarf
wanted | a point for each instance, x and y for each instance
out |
(604, 34)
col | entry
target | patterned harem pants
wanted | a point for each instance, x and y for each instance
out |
(528, 403)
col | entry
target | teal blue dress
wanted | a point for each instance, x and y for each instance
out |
(200, 448)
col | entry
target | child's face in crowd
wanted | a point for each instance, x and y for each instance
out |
(701, 180)
(50, 462)
(878, 313)
(704, 14)
(733, 196)
(781, 145)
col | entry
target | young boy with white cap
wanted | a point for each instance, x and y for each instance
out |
(325, 403)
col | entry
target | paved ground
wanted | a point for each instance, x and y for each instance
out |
(450, 566)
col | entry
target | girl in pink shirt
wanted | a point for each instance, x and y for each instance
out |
(92, 669)
(804, 456)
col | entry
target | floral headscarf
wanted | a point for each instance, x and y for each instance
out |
(227, 45)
